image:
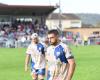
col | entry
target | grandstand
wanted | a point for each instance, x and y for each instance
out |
(18, 22)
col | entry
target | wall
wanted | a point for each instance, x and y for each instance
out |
(83, 31)
(65, 23)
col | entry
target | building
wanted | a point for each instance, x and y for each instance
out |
(11, 13)
(67, 21)
(18, 22)
(72, 24)
(85, 31)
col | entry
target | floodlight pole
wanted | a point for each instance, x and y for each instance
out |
(60, 25)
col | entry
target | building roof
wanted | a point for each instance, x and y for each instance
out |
(6, 9)
(63, 16)
(56, 16)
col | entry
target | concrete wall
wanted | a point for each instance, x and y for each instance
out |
(83, 31)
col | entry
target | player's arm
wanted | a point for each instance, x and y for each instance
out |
(27, 59)
(28, 55)
(71, 68)
(71, 63)
(46, 58)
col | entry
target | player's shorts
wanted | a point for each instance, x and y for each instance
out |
(37, 71)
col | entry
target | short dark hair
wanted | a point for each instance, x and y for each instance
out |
(53, 31)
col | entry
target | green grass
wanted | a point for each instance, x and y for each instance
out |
(12, 64)
(87, 59)
(88, 62)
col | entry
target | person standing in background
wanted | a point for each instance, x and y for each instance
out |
(36, 51)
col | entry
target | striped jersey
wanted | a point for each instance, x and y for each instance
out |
(57, 57)
(37, 52)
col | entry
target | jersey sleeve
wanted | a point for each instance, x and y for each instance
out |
(29, 50)
(45, 47)
(68, 52)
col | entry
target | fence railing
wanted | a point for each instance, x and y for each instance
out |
(19, 44)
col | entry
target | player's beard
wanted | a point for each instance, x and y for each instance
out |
(36, 42)
(54, 43)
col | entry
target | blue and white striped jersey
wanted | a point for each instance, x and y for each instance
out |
(57, 57)
(37, 52)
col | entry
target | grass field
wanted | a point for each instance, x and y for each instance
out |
(87, 59)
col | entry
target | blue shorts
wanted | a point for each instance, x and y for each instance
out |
(37, 71)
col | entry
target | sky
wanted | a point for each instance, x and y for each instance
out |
(67, 6)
